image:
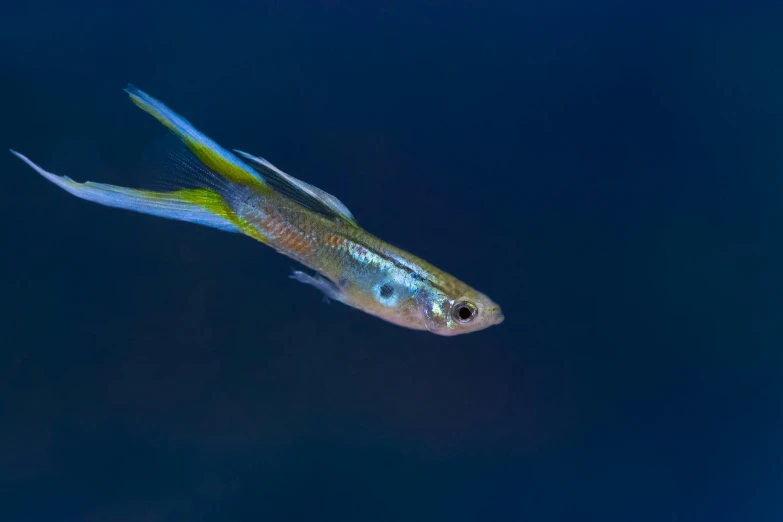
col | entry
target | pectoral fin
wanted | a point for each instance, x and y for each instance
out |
(330, 290)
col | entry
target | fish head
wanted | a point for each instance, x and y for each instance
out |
(462, 312)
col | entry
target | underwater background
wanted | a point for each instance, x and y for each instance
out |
(610, 172)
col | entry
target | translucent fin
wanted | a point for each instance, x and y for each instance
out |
(207, 151)
(203, 206)
(169, 165)
(329, 289)
(303, 193)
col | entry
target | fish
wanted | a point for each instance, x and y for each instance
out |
(235, 191)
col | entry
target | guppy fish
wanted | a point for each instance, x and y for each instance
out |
(237, 192)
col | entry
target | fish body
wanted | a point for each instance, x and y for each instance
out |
(238, 192)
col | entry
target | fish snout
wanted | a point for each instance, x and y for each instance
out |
(493, 315)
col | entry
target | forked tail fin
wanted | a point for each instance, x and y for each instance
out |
(205, 182)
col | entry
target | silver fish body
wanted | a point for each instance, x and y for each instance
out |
(238, 192)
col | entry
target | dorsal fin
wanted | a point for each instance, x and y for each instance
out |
(297, 190)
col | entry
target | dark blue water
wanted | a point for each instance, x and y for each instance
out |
(609, 172)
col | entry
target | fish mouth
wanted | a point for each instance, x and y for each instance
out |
(496, 316)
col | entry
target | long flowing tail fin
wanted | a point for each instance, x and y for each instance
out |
(204, 206)
(208, 180)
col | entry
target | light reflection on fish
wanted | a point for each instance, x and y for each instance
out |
(237, 192)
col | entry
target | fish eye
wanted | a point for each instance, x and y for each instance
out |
(464, 312)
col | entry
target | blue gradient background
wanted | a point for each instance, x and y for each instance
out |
(610, 172)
